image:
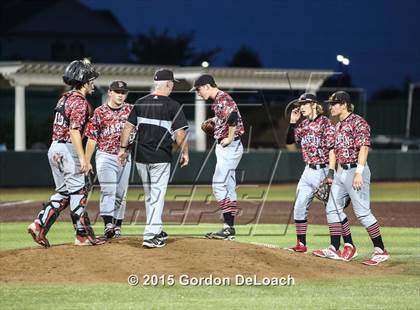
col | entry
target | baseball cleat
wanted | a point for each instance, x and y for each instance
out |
(34, 229)
(117, 232)
(109, 231)
(299, 247)
(227, 233)
(329, 252)
(378, 257)
(155, 242)
(349, 252)
(163, 236)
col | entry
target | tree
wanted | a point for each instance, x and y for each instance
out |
(162, 48)
(245, 57)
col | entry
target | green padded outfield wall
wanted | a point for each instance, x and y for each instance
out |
(32, 169)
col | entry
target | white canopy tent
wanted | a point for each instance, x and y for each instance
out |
(25, 74)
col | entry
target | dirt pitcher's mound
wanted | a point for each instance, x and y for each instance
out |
(195, 257)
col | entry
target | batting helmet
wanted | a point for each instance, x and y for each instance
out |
(79, 72)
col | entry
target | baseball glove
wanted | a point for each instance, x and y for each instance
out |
(208, 127)
(323, 191)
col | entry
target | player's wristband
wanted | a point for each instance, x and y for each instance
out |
(330, 174)
(123, 147)
(360, 168)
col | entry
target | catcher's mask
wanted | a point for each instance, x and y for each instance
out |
(79, 72)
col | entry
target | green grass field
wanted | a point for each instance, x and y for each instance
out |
(396, 291)
(390, 291)
(383, 191)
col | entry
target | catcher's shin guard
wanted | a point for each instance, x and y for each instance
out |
(87, 230)
(47, 218)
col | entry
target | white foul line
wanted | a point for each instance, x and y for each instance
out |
(9, 204)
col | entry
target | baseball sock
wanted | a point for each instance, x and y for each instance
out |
(228, 210)
(118, 222)
(107, 219)
(301, 226)
(375, 235)
(346, 231)
(229, 218)
(335, 234)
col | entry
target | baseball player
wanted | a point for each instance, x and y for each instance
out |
(351, 147)
(160, 121)
(67, 158)
(227, 133)
(315, 134)
(104, 131)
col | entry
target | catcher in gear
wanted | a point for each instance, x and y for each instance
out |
(67, 158)
(314, 133)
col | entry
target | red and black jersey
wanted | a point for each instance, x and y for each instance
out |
(222, 107)
(351, 134)
(316, 139)
(105, 126)
(71, 112)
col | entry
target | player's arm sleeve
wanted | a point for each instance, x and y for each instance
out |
(362, 130)
(92, 128)
(232, 119)
(132, 118)
(78, 112)
(298, 133)
(329, 135)
(290, 136)
(179, 121)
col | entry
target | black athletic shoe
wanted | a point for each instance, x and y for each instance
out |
(156, 242)
(163, 236)
(109, 231)
(227, 233)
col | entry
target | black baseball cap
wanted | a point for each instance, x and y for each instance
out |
(204, 80)
(164, 75)
(306, 98)
(119, 85)
(339, 97)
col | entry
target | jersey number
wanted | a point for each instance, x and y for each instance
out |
(59, 119)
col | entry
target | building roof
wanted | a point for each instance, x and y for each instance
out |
(141, 76)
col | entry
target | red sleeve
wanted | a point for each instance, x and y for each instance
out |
(329, 133)
(362, 129)
(298, 133)
(225, 106)
(92, 127)
(78, 110)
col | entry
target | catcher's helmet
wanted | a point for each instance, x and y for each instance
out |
(79, 72)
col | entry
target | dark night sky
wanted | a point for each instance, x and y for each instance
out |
(381, 38)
